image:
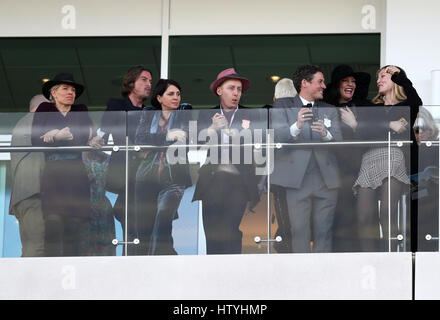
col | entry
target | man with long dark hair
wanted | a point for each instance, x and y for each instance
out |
(120, 120)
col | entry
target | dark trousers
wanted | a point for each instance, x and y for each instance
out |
(156, 208)
(168, 201)
(223, 210)
(311, 212)
(371, 218)
(283, 220)
(119, 213)
(65, 190)
(345, 235)
(428, 217)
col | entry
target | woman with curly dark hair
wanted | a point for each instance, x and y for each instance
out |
(347, 91)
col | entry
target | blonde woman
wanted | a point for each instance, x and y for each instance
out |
(65, 186)
(427, 180)
(394, 90)
(425, 128)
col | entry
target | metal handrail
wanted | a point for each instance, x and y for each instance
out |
(430, 142)
(258, 145)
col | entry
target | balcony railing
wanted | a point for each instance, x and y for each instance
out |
(251, 186)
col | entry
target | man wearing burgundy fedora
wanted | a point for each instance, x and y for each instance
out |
(226, 187)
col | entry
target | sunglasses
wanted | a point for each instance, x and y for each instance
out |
(417, 129)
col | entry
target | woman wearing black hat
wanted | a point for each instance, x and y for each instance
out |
(65, 186)
(347, 91)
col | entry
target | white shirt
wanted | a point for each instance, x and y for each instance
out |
(295, 131)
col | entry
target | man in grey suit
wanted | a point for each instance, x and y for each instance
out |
(27, 168)
(309, 174)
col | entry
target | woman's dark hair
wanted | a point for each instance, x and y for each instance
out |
(160, 88)
(332, 94)
(130, 78)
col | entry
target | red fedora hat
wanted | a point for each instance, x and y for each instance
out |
(227, 75)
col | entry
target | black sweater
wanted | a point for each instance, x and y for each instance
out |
(374, 122)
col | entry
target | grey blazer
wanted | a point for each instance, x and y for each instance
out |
(27, 167)
(291, 162)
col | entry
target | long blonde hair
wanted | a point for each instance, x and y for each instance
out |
(398, 93)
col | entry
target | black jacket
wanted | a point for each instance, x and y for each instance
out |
(120, 119)
(243, 118)
(374, 124)
(178, 173)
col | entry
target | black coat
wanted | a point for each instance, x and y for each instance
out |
(47, 117)
(120, 119)
(358, 107)
(255, 118)
(65, 187)
(374, 124)
(179, 173)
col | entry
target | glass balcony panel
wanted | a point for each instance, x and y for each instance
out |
(336, 180)
(200, 190)
(426, 189)
(232, 181)
(218, 155)
(164, 219)
(57, 188)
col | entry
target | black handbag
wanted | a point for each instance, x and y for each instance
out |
(115, 178)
